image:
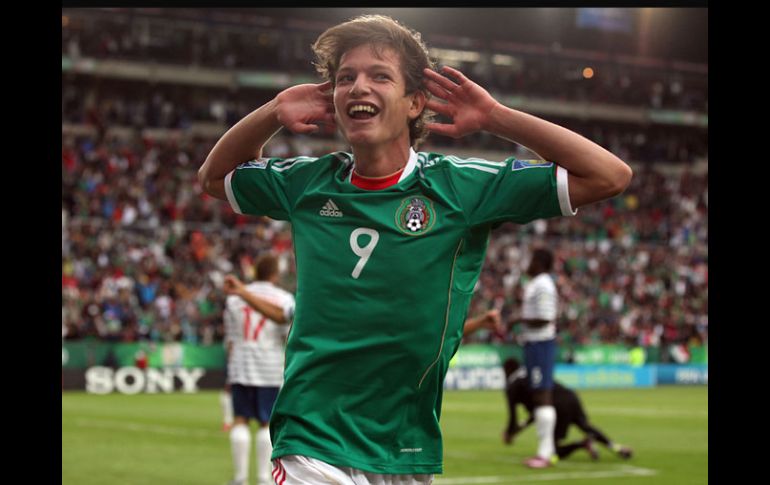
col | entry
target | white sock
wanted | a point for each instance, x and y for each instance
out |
(227, 407)
(264, 450)
(545, 422)
(240, 439)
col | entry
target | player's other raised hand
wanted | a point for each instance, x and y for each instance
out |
(232, 285)
(300, 108)
(459, 98)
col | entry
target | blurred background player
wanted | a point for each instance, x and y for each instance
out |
(278, 314)
(256, 346)
(538, 334)
(569, 410)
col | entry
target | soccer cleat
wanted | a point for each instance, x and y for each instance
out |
(588, 444)
(554, 459)
(625, 452)
(539, 462)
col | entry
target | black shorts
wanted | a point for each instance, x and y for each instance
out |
(253, 402)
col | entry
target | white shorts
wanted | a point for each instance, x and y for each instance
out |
(302, 470)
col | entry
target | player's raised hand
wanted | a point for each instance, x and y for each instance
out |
(232, 285)
(299, 108)
(459, 98)
(492, 321)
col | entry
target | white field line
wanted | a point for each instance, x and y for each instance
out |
(648, 412)
(610, 411)
(622, 471)
(147, 428)
(506, 458)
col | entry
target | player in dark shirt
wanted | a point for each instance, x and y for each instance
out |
(569, 410)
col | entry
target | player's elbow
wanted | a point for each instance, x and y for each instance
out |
(613, 180)
(211, 185)
(619, 179)
(204, 179)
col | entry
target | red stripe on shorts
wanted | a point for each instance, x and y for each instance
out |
(283, 474)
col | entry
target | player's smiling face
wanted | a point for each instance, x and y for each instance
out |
(370, 97)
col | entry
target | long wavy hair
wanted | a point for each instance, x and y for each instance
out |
(380, 32)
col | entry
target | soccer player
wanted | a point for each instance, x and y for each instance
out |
(538, 332)
(569, 411)
(255, 365)
(389, 242)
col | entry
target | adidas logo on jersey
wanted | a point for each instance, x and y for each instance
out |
(330, 209)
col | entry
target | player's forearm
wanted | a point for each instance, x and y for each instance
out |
(472, 324)
(266, 308)
(579, 155)
(242, 142)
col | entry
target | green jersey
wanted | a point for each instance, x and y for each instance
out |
(384, 280)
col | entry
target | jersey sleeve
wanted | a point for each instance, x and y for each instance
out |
(288, 309)
(267, 186)
(229, 322)
(513, 190)
(287, 304)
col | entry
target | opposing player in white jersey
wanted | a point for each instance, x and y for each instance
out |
(538, 333)
(256, 346)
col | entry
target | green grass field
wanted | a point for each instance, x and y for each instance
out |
(177, 439)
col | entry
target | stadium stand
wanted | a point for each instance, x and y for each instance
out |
(145, 95)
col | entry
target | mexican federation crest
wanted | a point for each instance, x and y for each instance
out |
(415, 216)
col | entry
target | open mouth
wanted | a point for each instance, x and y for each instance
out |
(362, 111)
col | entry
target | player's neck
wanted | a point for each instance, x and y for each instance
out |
(375, 183)
(357, 173)
(380, 161)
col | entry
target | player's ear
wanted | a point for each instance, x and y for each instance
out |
(418, 103)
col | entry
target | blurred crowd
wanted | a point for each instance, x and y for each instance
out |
(102, 104)
(252, 42)
(144, 251)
